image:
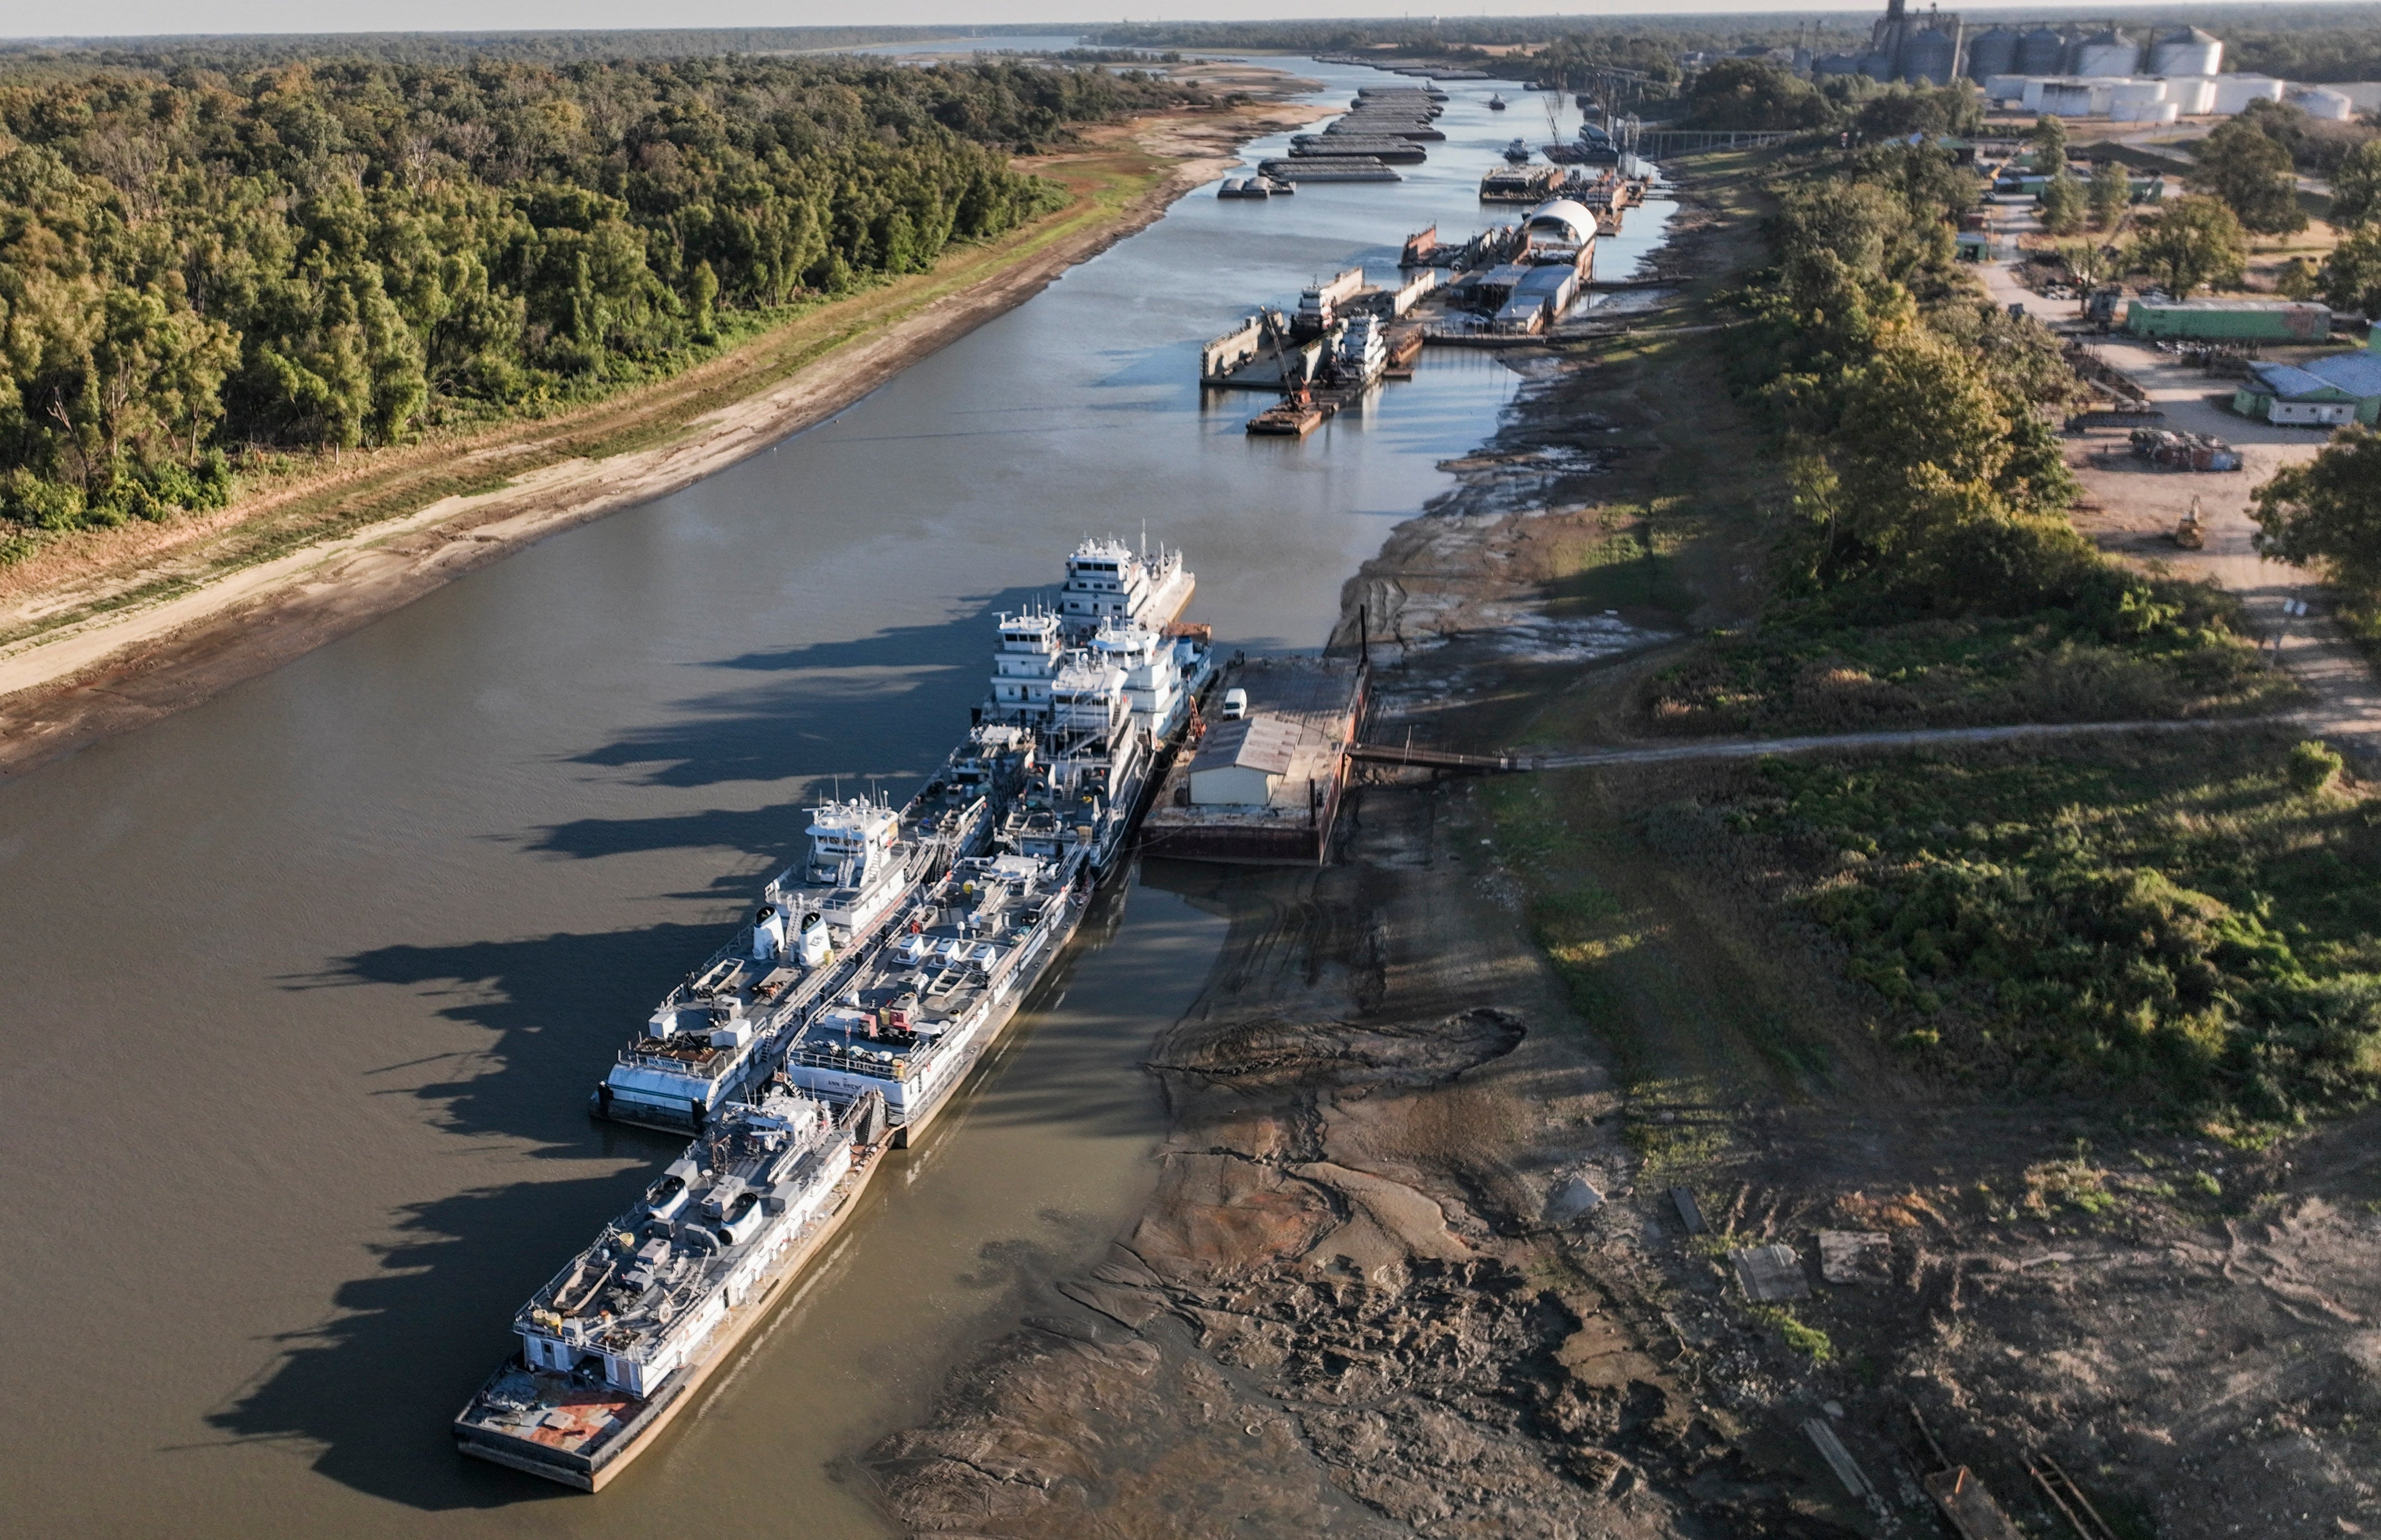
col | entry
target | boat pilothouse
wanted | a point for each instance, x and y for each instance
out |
(612, 1344)
(1107, 579)
(708, 1042)
(921, 1013)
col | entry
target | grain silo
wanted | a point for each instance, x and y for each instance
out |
(2107, 55)
(1930, 56)
(2041, 52)
(2187, 50)
(1992, 53)
(1877, 66)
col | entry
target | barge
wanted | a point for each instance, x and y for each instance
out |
(617, 1345)
(889, 1016)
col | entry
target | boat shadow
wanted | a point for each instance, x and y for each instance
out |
(372, 1391)
(818, 710)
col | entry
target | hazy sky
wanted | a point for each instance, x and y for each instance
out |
(123, 17)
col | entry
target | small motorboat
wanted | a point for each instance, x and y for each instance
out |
(1518, 152)
(1495, 103)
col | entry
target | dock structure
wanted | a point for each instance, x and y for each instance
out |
(1265, 788)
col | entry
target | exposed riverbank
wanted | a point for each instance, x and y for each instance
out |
(125, 626)
(1414, 1265)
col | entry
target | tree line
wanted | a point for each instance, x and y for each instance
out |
(333, 253)
(1931, 494)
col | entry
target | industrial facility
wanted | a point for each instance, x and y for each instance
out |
(2158, 76)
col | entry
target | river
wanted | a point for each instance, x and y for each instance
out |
(307, 985)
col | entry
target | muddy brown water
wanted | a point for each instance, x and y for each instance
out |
(305, 988)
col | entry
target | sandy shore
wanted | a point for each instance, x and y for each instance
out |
(111, 661)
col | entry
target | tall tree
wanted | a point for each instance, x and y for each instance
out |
(2062, 204)
(2356, 187)
(2351, 276)
(2252, 174)
(2326, 512)
(2195, 242)
(2112, 192)
(2049, 137)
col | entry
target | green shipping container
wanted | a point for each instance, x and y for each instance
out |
(2230, 319)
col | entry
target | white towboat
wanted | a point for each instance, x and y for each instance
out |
(616, 1345)
(1107, 579)
(710, 1039)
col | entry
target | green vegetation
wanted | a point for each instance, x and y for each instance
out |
(1929, 573)
(2111, 193)
(1799, 1335)
(2326, 514)
(2192, 243)
(2351, 276)
(2187, 927)
(1758, 94)
(2048, 136)
(335, 254)
(2062, 204)
(2356, 187)
(2252, 173)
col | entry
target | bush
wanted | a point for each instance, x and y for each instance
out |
(2314, 767)
(2167, 925)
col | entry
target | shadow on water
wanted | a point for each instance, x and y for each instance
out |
(833, 699)
(374, 1388)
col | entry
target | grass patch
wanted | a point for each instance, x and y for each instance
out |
(1797, 1334)
(2183, 925)
(1810, 675)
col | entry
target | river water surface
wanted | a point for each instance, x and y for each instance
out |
(306, 987)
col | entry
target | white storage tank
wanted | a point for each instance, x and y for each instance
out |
(2107, 54)
(2127, 98)
(2041, 52)
(2192, 95)
(2006, 88)
(1990, 53)
(2145, 112)
(2067, 98)
(2187, 50)
(2315, 102)
(2234, 93)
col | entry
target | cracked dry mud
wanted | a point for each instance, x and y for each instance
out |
(1342, 1311)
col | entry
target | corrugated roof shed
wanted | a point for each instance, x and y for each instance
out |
(2290, 383)
(2357, 373)
(1259, 743)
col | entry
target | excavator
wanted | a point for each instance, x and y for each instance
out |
(2192, 533)
(1295, 414)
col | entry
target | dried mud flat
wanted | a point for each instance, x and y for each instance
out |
(1415, 1267)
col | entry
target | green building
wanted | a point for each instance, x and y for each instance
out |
(2322, 392)
(2230, 319)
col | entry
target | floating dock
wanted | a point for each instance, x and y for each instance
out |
(1265, 788)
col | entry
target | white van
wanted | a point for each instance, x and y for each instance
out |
(1236, 705)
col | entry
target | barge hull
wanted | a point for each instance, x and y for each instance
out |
(591, 1474)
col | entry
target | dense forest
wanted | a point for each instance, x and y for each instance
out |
(255, 51)
(2312, 42)
(333, 253)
